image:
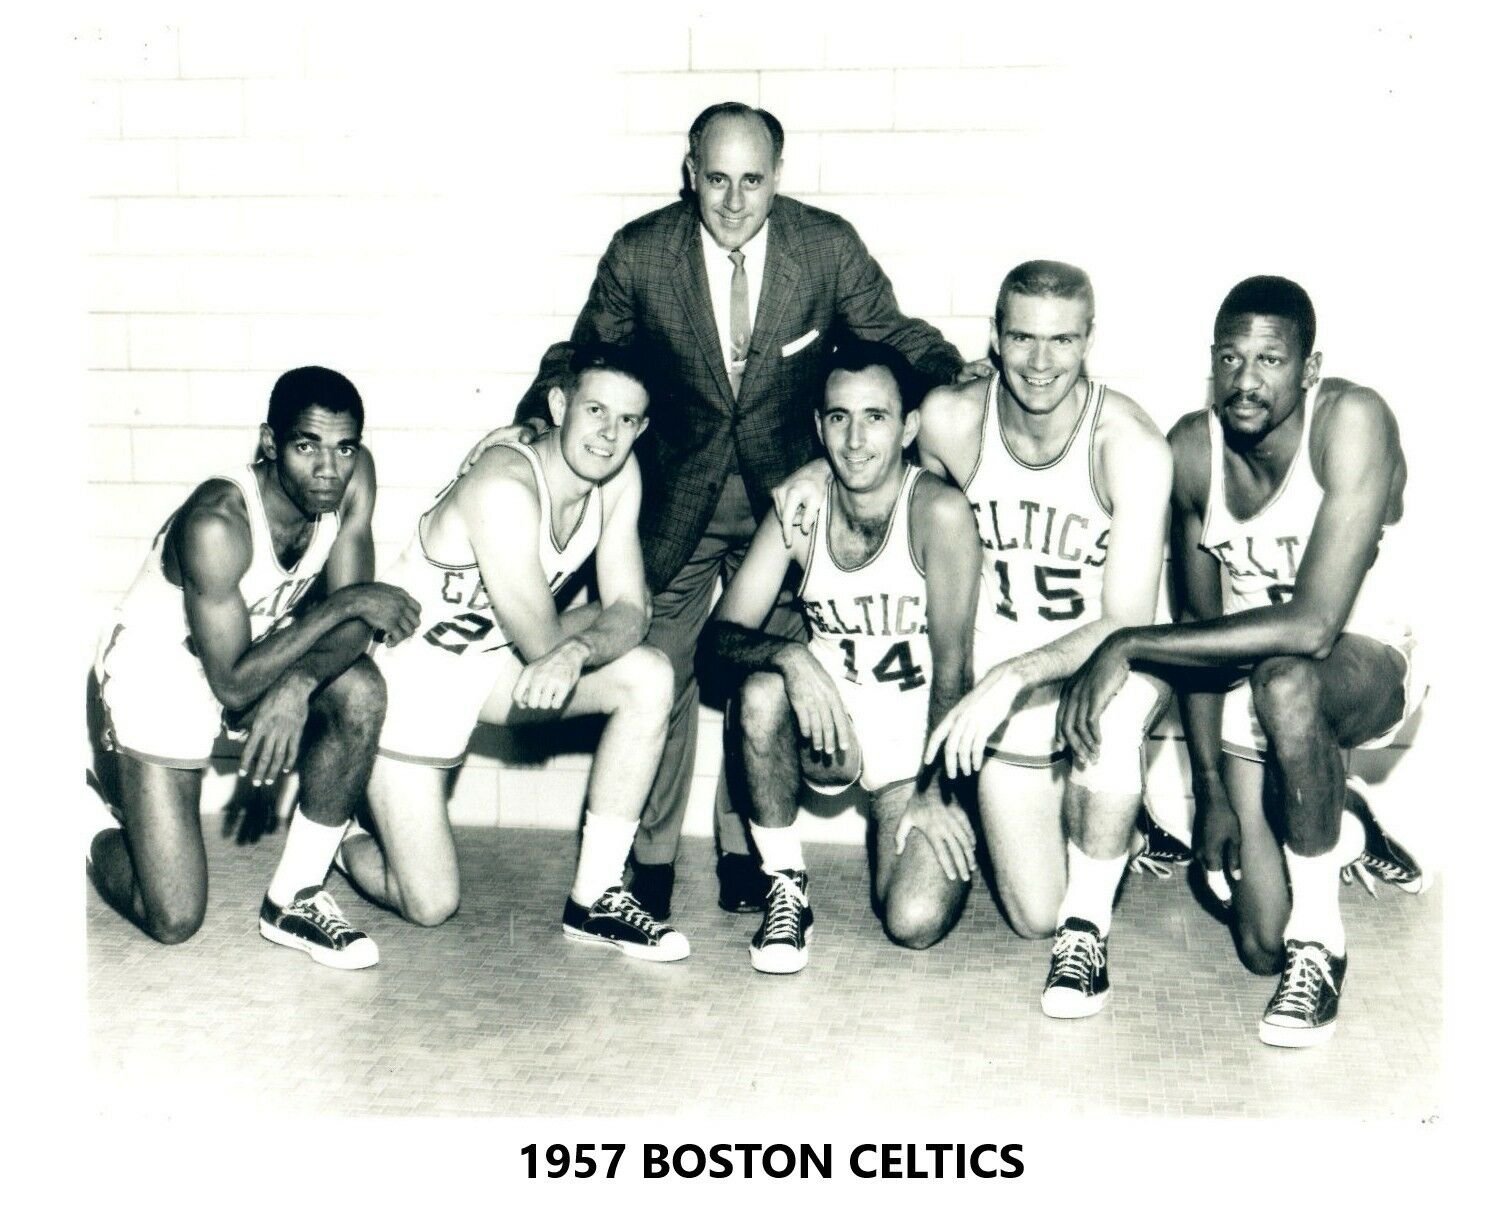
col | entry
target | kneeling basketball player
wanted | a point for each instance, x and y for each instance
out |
(890, 577)
(488, 559)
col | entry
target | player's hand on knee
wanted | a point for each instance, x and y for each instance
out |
(1085, 696)
(275, 732)
(967, 727)
(1216, 833)
(817, 705)
(547, 683)
(799, 499)
(948, 831)
(391, 612)
(520, 432)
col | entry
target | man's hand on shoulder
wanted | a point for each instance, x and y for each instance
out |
(528, 431)
(799, 498)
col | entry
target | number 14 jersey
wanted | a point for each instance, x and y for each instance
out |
(1044, 532)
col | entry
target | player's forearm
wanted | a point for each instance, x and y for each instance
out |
(1063, 657)
(1243, 638)
(1202, 726)
(948, 687)
(736, 652)
(266, 660)
(620, 627)
(331, 655)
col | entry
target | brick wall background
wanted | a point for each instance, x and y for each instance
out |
(420, 203)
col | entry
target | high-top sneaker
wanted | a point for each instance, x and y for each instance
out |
(1304, 1009)
(780, 944)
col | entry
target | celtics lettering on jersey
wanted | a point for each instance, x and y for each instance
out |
(1015, 534)
(868, 623)
(1260, 566)
(1042, 527)
(882, 615)
(465, 589)
(280, 601)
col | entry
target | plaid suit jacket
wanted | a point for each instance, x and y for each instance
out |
(651, 291)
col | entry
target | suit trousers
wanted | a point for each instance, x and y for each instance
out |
(679, 613)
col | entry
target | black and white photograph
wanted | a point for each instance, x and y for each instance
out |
(722, 606)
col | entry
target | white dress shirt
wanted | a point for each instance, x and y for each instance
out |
(721, 269)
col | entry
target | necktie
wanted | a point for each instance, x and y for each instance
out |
(739, 320)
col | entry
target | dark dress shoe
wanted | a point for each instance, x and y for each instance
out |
(652, 887)
(742, 883)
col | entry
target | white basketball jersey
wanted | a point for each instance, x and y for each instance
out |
(1259, 555)
(1044, 533)
(456, 613)
(868, 624)
(153, 604)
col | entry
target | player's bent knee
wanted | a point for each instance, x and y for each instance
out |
(431, 909)
(176, 923)
(1123, 726)
(357, 693)
(1259, 959)
(647, 677)
(1285, 689)
(1032, 919)
(915, 923)
(1259, 944)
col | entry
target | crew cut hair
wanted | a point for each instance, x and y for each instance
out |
(1045, 279)
(304, 387)
(856, 355)
(742, 109)
(1268, 295)
(598, 356)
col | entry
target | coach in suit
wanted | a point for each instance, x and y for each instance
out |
(733, 296)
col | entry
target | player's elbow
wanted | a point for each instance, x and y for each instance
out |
(1319, 633)
(231, 696)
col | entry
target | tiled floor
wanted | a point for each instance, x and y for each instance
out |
(495, 1013)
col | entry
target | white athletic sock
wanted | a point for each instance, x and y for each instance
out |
(305, 859)
(1351, 839)
(1092, 882)
(601, 856)
(1315, 899)
(780, 847)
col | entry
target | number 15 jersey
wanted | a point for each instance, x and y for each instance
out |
(1044, 531)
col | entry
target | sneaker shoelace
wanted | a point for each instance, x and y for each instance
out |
(1356, 870)
(784, 912)
(1306, 971)
(1074, 955)
(1143, 863)
(324, 913)
(620, 903)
